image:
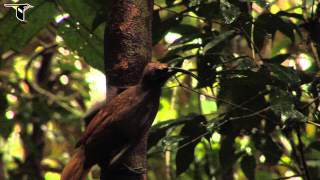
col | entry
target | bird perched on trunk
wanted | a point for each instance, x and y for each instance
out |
(120, 124)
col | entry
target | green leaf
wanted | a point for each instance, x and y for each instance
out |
(192, 132)
(269, 24)
(16, 35)
(248, 166)
(229, 11)
(293, 15)
(159, 130)
(87, 44)
(217, 40)
(285, 75)
(282, 104)
(206, 67)
(161, 27)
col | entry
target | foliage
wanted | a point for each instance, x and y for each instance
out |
(252, 113)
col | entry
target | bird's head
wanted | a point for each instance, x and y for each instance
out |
(156, 74)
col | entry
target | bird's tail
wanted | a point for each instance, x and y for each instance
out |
(75, 169)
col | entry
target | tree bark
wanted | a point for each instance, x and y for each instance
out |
(128, 48)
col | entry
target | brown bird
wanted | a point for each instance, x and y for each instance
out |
(120, 124)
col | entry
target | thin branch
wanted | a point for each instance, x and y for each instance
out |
(304, 166)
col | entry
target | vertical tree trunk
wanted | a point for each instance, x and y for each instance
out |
(128, 48)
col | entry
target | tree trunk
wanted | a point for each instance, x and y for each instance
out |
(128, 48)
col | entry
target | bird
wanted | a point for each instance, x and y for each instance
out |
(119, 124)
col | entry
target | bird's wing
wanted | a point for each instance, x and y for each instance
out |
(95, 122)
(116, 111)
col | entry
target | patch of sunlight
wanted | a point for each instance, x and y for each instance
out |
(12, 98)
(291, 173)
(61, 17)
(10, 114)
(166, 111)
(286, 143)
(64, 51)
(248, 150)
(274, 9)
(243, 141)
(216, 137)
(208, 106)
(286, 159)
(200, 151)
(64, 79)
(59, 39)
(52, 176)
(262, 159)
(19, 66)
(283, 51)
(298, 10)
(78, 64)
(170, 37)
(284, 5)
(39, 49)
(97, 85)
(311, 130)
(13, 147)
(50, 162)
(304, 61)
(197, 41)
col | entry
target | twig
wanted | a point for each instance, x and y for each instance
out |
(304, 166)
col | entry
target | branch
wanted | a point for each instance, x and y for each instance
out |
(304, 166)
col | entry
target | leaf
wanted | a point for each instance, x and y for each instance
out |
(279, 59)
(281, 102)
(248, 166)
(87, 44)
(192, 132)
(285, 75)
(206, 69)
(229, 11)
(217, 40)
(159, 130)
(103, 9)
(185, 47)
(16, 35)
(293, 15)
(207, 10)
(161, 27)
(270, 23)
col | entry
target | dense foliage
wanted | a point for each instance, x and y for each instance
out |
(252, 113)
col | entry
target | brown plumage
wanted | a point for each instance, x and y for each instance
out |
(119, 125)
